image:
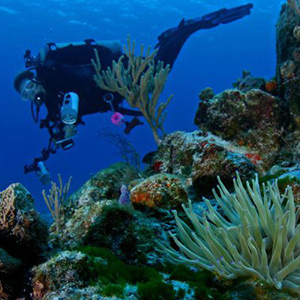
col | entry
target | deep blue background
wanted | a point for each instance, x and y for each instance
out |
(214, 58)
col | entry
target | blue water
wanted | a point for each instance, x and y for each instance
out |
(214, 58)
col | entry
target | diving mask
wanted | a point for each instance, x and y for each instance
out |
(29, 90)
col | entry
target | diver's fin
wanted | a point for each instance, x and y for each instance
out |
(171, 41)
(132, 124)
(181, 24)
(222, 16)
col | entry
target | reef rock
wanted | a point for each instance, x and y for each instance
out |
(254, 121)
(248, 82)
(23, 239)
(9, 264)
(66, 269)
(106, 184)
(159, 191)
(128, 233)
(288, 61)
(78, 225)
(200, 157)
(23, 233)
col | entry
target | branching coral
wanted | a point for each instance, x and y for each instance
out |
(124, 147)
(55, 201)
(258, 237)
(140, 82)
(7, 208)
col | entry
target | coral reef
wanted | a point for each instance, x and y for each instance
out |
(109, 239)
(66, 269)
(78, 225)
(128, 233)
(23, 238)
(105, 184)
(288, 61)
(22, 232)
(248, 82)
(294, 5)
(255, 120)
(159, 191)
(9, 264)
(199, 158)
(96, 273)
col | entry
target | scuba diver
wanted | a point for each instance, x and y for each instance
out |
(61, 77)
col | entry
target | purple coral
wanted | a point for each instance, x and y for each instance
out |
(124, 197)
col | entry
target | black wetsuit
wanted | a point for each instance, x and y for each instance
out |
(69, 69)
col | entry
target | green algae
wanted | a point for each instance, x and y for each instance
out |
(112, 275)
(156, 290)
(287, 180)
(202, 281)
(109, 272)
(113, 290)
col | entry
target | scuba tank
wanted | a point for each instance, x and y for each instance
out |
(77, 53)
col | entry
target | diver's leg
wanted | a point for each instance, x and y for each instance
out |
(171, 41)
(129, 112)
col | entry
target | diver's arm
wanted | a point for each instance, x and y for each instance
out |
(44, 156)
(172, 40)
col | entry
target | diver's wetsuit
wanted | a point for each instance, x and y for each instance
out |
(69, 69)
